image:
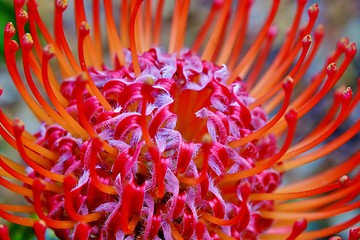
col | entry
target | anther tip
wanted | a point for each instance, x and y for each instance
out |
(288, 83)
(84, 28)
(347, 94)
(61, 4)
(22, 16)
(351, 49)
(344, 181)
(331, 69)
(49, 51)
(9, 30)
(18, 124)
(313, 10)
(343, 44)
(273, 31)
(291, 115)
(306, 41)
(27, 41)
(354, 233)
(4, 232)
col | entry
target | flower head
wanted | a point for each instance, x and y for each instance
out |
(182, 143)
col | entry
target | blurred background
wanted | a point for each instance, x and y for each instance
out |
(340, 18)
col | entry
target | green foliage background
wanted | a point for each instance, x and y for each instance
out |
(6, 15)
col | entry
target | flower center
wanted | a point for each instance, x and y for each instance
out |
(171, 127)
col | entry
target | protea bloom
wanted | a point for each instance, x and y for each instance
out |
(176, 143)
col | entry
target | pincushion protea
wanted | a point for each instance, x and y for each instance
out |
(176, 143)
